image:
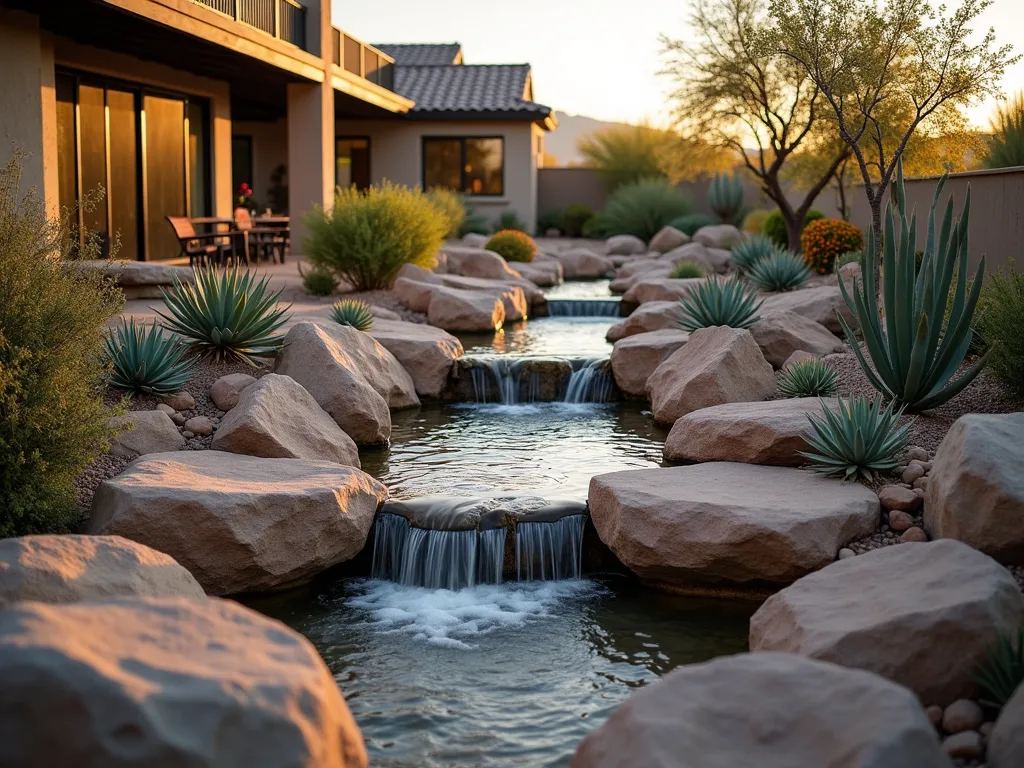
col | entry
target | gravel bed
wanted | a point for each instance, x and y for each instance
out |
(103, 467)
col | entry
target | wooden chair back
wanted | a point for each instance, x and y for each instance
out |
(243, 219)
(183, 229)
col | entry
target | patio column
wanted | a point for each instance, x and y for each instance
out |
(310, 153)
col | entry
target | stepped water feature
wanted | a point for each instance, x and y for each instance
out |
(583, 307)
(512, 380)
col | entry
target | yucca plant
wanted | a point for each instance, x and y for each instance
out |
(749, 252)
(725, 196)
(808, 378)
(352, 312)
(1002, 672)
(145, 360)
(687, 269)
(779, 271)
(860, 438)
(227, 315)
(915, 354)
(719, 302)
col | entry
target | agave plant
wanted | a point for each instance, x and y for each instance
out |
(808, 378)
(750, 251)
(719, 302)
(725, 196)
(860, 438)
(144, 360)
(687, 269)
(1002, 672)
(227, 315)
(780, 270)
(915, 350)
(352, 312)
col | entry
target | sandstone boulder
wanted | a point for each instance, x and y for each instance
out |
(667, 239)
(635, 357)
(652, 316)
(723, 236)
(516, 299)
(636, 267)
(770, 710)
(227, 389)
(276, 418)
(822, 305)
(477, 262)
(475, 240)
(137, 279)
(419, 275)
(920, 614)
(769, 432)
(542, 273)
(70, 568)
(454, 309)
(660, 289)
(1006, 745)
(426, 352)
(143, 432)
(717, 365)
(166, 682)
(416, 294)
(238, 523)
(624, 244)
(584, 264)
(976, 487)
(727, 523)
(781, 333)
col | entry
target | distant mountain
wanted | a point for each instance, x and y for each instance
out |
(562, 141)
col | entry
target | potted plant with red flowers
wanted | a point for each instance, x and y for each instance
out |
(244, 199)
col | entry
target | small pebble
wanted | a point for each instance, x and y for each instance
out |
(920, 493)
(187, 435)
(920, 454)
(966, 744)
(894, 497)
(846, 553)
(934, 713)
(912, 473)
(914, 534)
(900, 521)
(962, 715)
(199, 425)
(178, 419)
(180, 401)
(921, 484)
(164, 408)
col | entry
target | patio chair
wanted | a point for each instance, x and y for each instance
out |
(201, 249)
(269, 241)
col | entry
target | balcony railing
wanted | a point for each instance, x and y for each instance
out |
(284, 19)
(363, 60)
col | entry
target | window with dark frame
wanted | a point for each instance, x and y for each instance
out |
(473, 165)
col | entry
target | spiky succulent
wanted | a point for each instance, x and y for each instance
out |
(725, 196)
(780, 270)
(352, 312)
(808, 378)
(719, 302)
(227, 315)
(143, 359)
(749, 252)
(860, 438)
(687, 269)
(1002, 672)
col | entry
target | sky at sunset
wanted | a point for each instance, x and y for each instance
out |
(591, 57)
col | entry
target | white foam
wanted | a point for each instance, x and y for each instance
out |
(453, 619)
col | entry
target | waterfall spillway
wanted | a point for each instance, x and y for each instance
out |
(590, 382)
(550, 551)
(512, 380)
(583, 307)
(507, 373)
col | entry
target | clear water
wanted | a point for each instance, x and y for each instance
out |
(580, 289)
(545, 337)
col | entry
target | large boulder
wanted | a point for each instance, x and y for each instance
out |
(976, 485)
(635, 357)
(823, 305)
(781, 333)
(164, 683)
(717, 365)
(636, 267)
(723, 236)
(770, 710)
(623, 282)
(1006, 745)
(624, 244)
(426, 352)
(921, 614)
(660, 289)
(419, 275)
(276, 418)
(454, 309)
(517, 301)
(415, 294)
(475, 240)
(226, 390)
(238, 523)
(728, 523)
(70, 568)
(477, 262)
(652, 316)
(769, 432)
(542, 273)
(667, 239)
(137, 279)
(584, 264)
(714, 260)
(142, 432)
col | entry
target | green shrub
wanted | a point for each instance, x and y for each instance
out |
(687, 269)
(368, 236)
(551, 220)
(691, 222)
(850, 257)
(626, 154)
(1006, 147)
(575, 218)
(725, 197)
(860, 438)
(775, 226)
(1002, 672)
(719, 302)
(749, 252)
(643, 208)
(779, 271)
(753, 222)
(512, 245)
(451, 206)
(52, 418)
(144, 360)
(808, 378)
(510, 220)
(318, 281)
(353, 312)
(226, 315)
(597, 227)
(1002, 302)
(474, 222)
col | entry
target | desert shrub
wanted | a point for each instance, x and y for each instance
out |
(753, 222)
(626, 154)
(145, 360)
(808, 378)
(643, 208)
(596, 228)
(779, 271)
(719, 302)
(318, 281)
(687, 269)
(824, 240)
(52, 418)
(1006, 147)
(575, 219)
(691, 222)
(1002, 311)
(512, 245)
(353, 312)
(850, 257)
(775, 226)
(451, 206)
(474, 222)
(551, 220)
(368, 236)
(510, 220)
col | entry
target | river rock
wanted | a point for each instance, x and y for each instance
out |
(896, 498)
(660, 289)
(635, 357)
(652, 316)
(770, 432)
(426, 352)
(1006, 746)
(584, 264)
(179, 401)
(69, 568)
(624, 244)
(723, 236)
(769, 710)
(199, 425)
(717, 365)
(781, 333)
(163, 683)
(227, 389)
(822, 304)
(667, 239)
(921, 614)
(975, 491)
(728, 523)
(478, 262)
(142, 432)
(276, 418)
(238, 523)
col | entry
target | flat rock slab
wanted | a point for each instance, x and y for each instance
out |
(143, 432)
(769, 710)
(652, 316)
(660, 289)
(71, 568)
(137, 279)
(164, 683)
(768, 432)
(781, 333)
(921, 614)
(635, 357)
(426, 352)
(728, 523)
(584, 264)
(823, 305)
(238, 523)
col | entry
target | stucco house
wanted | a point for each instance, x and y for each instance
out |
(167, 105)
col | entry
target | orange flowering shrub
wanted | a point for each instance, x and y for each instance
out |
(512, 245)
(824, 240)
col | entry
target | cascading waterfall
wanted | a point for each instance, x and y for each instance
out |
(503, 371)
(583, 307)
(590, 382)
(550, 551)
(519, 380)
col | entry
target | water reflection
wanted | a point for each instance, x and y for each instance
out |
(547, 336)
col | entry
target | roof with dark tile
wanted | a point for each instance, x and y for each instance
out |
(422, 54)
(469, 88)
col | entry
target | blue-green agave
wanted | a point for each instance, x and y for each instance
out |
(749, 252)
(1002, 672)
(914, 351)
(725, 196)
(780, 270)
(719, 302)
(808, 378)
(860, 438)
(226, 315)
(352, 312)
(143, 359)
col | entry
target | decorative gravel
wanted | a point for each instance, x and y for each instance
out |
(102, 468)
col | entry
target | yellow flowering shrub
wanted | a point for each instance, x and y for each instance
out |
(824, 240)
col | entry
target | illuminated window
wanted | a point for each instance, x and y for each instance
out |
(473, 166)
